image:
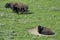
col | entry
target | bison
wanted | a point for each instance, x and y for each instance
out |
(45, 31)
(17, 7)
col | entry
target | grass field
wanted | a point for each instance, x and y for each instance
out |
(45, 13)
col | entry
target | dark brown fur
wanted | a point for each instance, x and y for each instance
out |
(17, 7)
(45, 31)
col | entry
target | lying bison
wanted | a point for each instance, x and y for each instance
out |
(45, 31)
(17, 7)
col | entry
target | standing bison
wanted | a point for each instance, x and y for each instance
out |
(17, 7)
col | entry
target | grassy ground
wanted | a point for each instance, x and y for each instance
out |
(45, 13)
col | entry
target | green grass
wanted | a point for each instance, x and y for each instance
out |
(45, 13)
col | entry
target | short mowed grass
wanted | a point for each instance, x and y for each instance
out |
(44, 12)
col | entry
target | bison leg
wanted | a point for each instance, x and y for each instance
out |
(24, 10)
(15, 9)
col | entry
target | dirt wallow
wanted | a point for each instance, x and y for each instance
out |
(41, 31)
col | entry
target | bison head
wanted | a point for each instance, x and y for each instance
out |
(7, 5)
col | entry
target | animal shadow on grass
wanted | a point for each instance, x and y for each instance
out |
(26, 13)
